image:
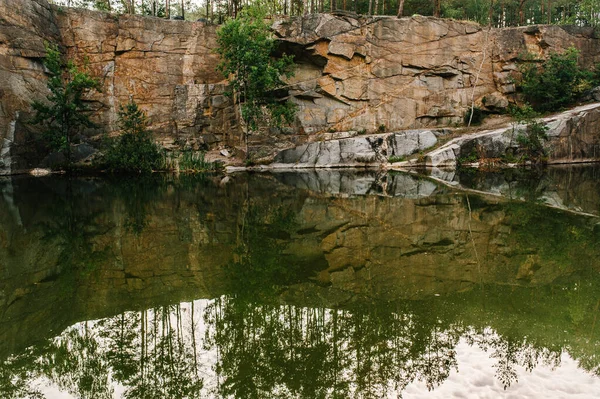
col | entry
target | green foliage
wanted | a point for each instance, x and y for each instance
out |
(64, 113)
(191, 161)
(134, 151)
(531, 141)
(471, 157)
(502, 13)
(381, 128)
(247, 48)
(556, 82)
(396, 158)
(531, 137)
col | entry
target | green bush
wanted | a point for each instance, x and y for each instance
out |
(556, 82)
(134, 151)
(530, 140)
(396, 158)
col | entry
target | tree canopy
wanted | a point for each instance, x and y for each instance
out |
(498, 13)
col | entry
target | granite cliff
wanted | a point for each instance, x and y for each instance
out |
(353, 73)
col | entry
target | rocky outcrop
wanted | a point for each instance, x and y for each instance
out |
(24, 28)
(411, 72)
(572, 137)
(353, 73)
(358, 150)
(167, 67)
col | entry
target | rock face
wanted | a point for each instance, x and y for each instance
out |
(572, 137)
(24, 27)
(360, 74)
(167, 67)
(358, 151)
(410, 72)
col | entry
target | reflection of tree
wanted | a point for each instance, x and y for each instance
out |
(368, 349)
(137, 195)
(303, 352)
(72, 229)
(260, 264)
(77, 366)
(150, 355)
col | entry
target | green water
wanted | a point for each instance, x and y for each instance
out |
(307, 285)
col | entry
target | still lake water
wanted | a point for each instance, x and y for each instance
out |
(329, 284)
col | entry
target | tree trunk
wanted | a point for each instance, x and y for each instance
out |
(437, 8)
(491, 13)
(400, 8)
(370, 12)
(182, 9)
(167, 9)
(521, 13)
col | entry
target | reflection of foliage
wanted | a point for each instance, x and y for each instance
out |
(361, 348)
(76, 366)
(260, 263)
(148, 352)
(297, 352)
(72, 230)
(137, 195)
(281, 351)
(544, 229)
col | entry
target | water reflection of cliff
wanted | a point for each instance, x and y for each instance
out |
(312, 296)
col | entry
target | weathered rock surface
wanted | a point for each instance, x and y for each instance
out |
(167, 67)
(353, 73)
(24, 27)
(572, 137)
(358, 150)
(411, 72)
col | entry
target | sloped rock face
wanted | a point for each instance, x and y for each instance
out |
(572, 137)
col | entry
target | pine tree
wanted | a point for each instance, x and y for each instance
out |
(64, 113)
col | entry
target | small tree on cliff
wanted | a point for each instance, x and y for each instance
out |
(134, 151)
(64, 112)
(246, 47)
